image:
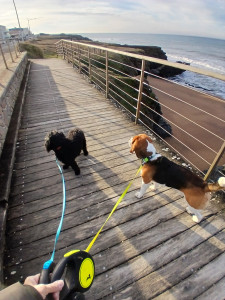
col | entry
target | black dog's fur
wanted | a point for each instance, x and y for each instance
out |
(67, 148)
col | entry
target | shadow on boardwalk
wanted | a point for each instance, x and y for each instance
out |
(149, 248)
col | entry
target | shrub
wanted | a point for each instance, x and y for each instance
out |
(32, 51)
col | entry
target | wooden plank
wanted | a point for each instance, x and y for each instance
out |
(78, 190)
(209, 275)
(149, 246)
(86, 230)
(122, 135)
(73, 181)
(35, 139)
(216, 292)
(117, 144)
(76, 217)
(88, 166)
(166, 277)
(105, 260)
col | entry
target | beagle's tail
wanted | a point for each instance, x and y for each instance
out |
(213, 187)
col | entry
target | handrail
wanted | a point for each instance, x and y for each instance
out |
(155, 60)
(7, 50)
(109, 74)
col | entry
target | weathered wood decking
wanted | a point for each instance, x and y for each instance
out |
(150, 248)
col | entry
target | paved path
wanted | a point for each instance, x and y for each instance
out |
(196, 109)
(150, 248)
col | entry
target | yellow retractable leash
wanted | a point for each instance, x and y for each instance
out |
(77, 267)
(114, 208)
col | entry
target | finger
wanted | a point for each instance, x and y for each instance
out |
(37, 278)
(54, 287)
(32, 280)
(55, 296)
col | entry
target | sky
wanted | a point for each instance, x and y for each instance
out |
(183, 17)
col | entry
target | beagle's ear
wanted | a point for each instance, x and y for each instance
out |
(134, 143)
(149, 139)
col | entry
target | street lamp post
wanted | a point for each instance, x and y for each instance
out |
(18, 19)
(29, 23)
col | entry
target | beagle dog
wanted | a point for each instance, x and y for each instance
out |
(158, 169)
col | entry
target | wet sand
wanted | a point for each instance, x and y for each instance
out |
(202, 157)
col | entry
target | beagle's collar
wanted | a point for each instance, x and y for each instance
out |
(150, 158)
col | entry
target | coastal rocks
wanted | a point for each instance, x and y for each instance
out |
(151, 67)
(167, 71)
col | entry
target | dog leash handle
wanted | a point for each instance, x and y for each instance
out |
(77, 268)
(45, 272)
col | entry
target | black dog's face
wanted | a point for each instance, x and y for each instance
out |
(54, 140)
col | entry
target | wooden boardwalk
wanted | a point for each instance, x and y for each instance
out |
(150, 248)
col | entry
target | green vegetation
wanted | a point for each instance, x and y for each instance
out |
(32, 51)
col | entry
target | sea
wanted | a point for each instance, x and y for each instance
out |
(200, 52)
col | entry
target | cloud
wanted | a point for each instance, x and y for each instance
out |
(193, 17)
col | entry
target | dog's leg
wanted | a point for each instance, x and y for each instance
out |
(75, 167)
(65, 167)
(196, 213)
(143, 189)
(153, 186)
(85, 148)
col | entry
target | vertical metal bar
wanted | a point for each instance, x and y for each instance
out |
(64, 56)
(18, 46)
(72, 52)
(10, 51)
(89, 62)
(15, 48)
(140, 91)
(106, 75)
(215, 162)
(3, 57)
(66, 51)
(79, 58)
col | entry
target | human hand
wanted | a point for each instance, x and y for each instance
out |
(45, 289)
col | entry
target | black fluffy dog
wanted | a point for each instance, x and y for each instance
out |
(67, 148)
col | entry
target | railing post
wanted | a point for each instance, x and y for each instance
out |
(140, 91)
(72, 52)
(66, 47)
(10, 51)
(106, 75)
(3, 57)
(216, 159)
(18, 47)
(79, 55)
(89, 62)
(64, 57)
(15, 49)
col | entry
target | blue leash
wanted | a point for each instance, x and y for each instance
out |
(48, 263)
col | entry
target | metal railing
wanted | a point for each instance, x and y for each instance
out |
(112, 73)
(9, 51)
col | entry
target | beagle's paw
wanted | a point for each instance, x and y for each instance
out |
(197, 219)
(152, 187)
(138, 195)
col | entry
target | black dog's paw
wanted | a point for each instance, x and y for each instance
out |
(65, 167)
(85, 153)
(77, 172)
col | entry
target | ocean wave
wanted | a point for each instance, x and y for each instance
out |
(197, 63)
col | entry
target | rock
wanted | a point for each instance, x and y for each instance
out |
(167, 71)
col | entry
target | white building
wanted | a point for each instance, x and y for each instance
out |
(4, 33)
(19, 33)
